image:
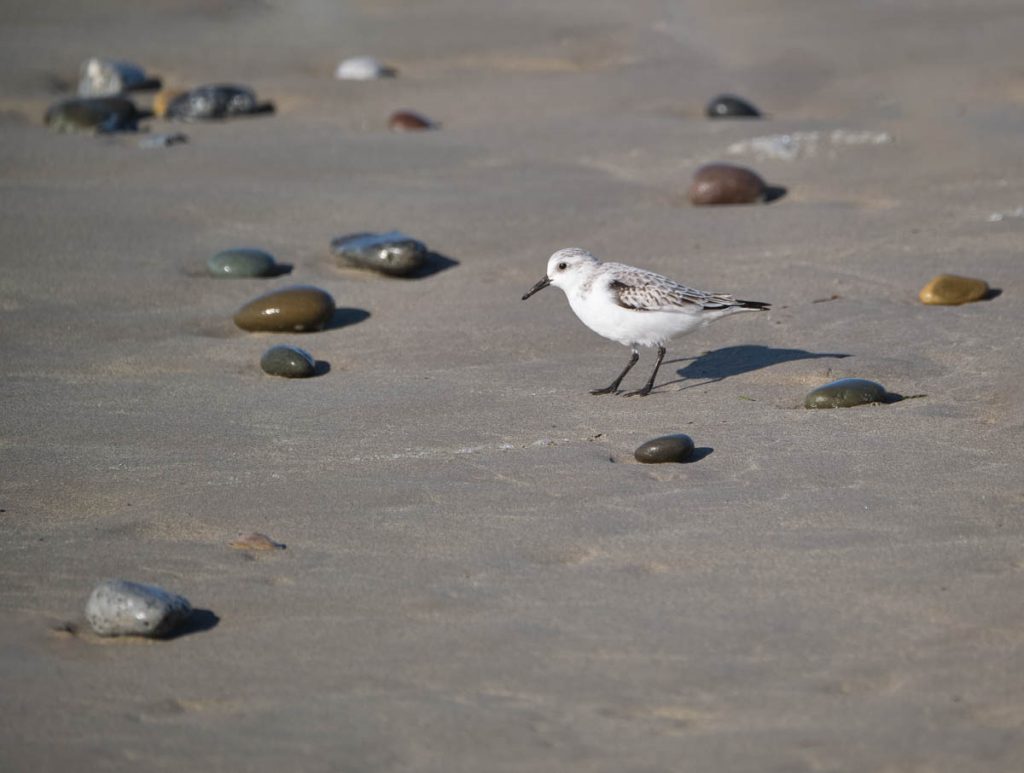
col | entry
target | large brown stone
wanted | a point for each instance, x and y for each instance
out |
(726, 184)
(293, 309)
(952, 290)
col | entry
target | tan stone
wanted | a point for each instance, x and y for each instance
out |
(952, 290)
(255, 541)
(162, 99)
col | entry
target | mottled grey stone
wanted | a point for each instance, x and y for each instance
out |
(288, 361)
(216, 101)
(391, 253)
(668, 448)
(109, 77)
(242, 262)
(123, 608)
(845, 393)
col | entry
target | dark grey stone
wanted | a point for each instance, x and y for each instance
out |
(242, 262)
(668, 448)
(288, 361)
(391, 253)
(731, 106)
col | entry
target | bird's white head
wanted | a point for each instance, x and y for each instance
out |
(566, 269)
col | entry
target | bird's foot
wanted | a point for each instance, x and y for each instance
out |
(640, 392)
(608, 390)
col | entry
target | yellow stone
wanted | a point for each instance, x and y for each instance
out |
(162, 99)
(952, 290)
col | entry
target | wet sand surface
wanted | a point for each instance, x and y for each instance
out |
(478, 576)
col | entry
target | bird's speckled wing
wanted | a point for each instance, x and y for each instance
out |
(634, 288)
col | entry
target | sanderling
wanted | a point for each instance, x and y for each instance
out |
(633, 306)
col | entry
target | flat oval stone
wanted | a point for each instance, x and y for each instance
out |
(391, 253)
(294, 309)
(93, 114)
(123, 608)
(242, 262)
(668, 448)
(288, 361)
(363, 68)
(408, 121)
(109, 77)
(845, 393)
(216, 101)
(731, 106)
(726, 184)
(952, 290)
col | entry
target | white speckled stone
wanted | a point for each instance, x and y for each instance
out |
(363, 68)
(123, 608)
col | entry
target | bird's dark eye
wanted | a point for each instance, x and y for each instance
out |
(563, 266)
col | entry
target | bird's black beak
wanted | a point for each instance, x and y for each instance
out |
(539, 286)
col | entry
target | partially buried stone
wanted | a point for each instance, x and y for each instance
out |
(108, 78)
(726, 184)
(294, 309)
(731, 106)
(952, 290)
(242, 262)
(93, 114)
(845, 393)
(391, 253)
(408, 121)
(669, 448)
(123, 608)
(163, 140)
(255, 541)
(214, 102)
(288, 361)
(363, 68)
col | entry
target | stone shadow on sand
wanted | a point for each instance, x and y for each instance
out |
(200, 620)
(433, 263)
(719, 364)
(346, 316)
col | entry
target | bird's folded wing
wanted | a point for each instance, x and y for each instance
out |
(655, 293)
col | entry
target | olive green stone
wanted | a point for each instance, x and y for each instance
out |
(93, 114)
(669, 448)
(952, 290)
(293, 309)
(845, 393)
(242, 262)
(288, 361)
(726, 184)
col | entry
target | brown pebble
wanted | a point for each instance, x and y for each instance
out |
(407, 121)
(255, 541)
(952, 290)
(293, 309)
(726, 184)
(162, 99)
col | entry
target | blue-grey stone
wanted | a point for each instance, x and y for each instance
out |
(123, 608)
(845, 393)
(391, 253)
(242, 262)
(288, 361)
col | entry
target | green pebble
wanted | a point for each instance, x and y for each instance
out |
(669, 448)
(242, 262)
(288, 361)
(845, 393)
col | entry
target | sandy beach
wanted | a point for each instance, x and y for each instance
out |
(478, 575)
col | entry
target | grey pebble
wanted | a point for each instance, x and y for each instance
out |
(124, 608)
(163, 140)
(242, 262)
(731, 106)
(391, 253)
(668, 448)
(216, 101)
(288, 361)
(845, 393)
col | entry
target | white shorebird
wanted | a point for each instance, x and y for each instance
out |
(632, 306)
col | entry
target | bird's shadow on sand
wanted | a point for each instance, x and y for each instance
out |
(719, 364)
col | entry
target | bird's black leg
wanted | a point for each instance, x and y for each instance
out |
(614, 386)
(650, 382)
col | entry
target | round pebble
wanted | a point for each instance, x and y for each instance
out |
(255, 541)
(288, 361)
(731, 106)
(726, 184)
(391, 253)
(845, 393)
(93, 114)
(215, 101)
(243, 262)
(363, 68)
(292, 310)
(669, 448)
(123, 608)
(408, 121)
(952, 290)
(108, 78)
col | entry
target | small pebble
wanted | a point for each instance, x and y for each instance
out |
(726, 184)
(669, 448)
(845, 393)
(952, 290)
(255, 541)
(731, 106)
(363, 68)
(294, 309)
(108, 78)
(163, 140)
(93, 114)
(162, 100)
(242, 262)
(123, 608)
(407, 121)
(288, 361)
(214, 102)
(391, 253)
